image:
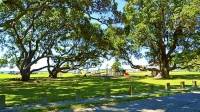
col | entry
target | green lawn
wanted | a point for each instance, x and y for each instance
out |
(64, 88)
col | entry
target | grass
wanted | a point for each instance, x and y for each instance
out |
(20, 93)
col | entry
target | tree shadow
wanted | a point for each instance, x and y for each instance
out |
(186, 76)
(20, 93)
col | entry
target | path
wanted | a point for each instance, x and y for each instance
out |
(187, 102)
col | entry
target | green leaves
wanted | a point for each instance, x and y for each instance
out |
(167, 29)
(115, 65)
(3, 62)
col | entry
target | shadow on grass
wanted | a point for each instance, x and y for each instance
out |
(186, 76)
(62, 89)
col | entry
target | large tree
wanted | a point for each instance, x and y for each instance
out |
(26, 40)
(79, 48)
(167, 29)
(30, 29)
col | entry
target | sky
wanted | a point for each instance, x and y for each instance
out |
(42, 62)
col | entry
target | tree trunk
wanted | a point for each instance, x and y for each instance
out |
(25, 75)
(164, 69)
(188, 69)
(165, 72)
(53, 73)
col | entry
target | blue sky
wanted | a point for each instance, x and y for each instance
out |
(121, 4)
(42, 62)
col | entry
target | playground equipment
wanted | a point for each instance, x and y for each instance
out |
(122, 70)
(126, 74)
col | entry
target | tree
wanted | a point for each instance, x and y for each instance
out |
(28, 39)
(115, 65)
(30, 29)
(167, 29)
(80, 48)
(29, 36)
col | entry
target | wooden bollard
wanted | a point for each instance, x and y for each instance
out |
(182, 84)
(151, 88)
(107, 93)
(78, 95)
(131, 90)
(44, 99)
(2, 102)
(167, 86)
(194, 83)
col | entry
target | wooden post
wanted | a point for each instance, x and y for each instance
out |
(194, 83)
(167, 86)
(182, 84)
(2, 102)
(151, 88)
(131, 90)
(44, 99)
(78, 95)
(107, 93)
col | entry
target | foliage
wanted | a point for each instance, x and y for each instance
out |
(70, 32)
(168, 30)
(121, 46)
(115, 65)
(3, 62)
(81, 48)
(195, 63)
(35, 30)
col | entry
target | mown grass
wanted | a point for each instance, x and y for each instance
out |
(64, 88)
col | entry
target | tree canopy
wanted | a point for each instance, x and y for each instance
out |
(168, 30)
(56, 30)
(69, 33)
